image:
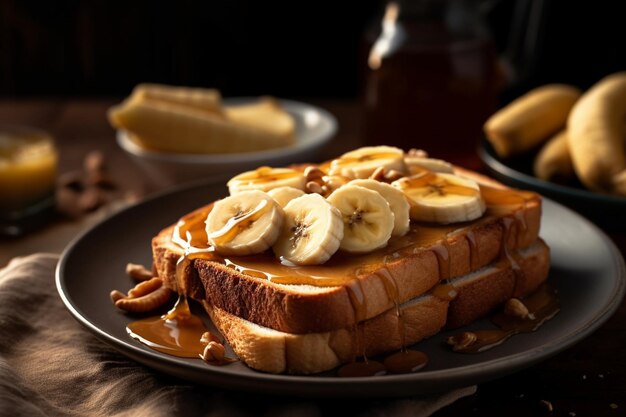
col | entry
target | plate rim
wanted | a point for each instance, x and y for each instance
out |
(329, 121)
(325, 385)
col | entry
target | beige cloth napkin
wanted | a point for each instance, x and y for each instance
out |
(51, 366)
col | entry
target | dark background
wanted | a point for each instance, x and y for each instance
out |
(243, 47)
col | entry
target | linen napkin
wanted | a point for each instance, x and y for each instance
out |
(51, 366)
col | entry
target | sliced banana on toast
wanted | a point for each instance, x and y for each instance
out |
(312, 231)
(398, 203)
(243, 224)
(283, 195)
(266, 179)
(367, 218)
(417, 164)
(362, 162)
(442, 198)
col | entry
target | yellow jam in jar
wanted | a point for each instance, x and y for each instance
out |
(28, 166)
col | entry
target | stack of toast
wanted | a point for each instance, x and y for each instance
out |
(281, 317)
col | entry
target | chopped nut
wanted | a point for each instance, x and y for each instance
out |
(332, 182)
(91, 199)
(393, 175)
(461, 341)
(547, 405)
(145, 287)
(100, 180)
(515, 308)
(94, 162)
(378, 174)
(313, 187)
(67, 202)
(145, 303)
(117, 295)
(72, 180)
(312, 173)
(420, 153)
(138, 272)
(214, 352)
(208, 337)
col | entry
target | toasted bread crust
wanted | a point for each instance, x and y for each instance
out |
(478, 294)
(286, 309)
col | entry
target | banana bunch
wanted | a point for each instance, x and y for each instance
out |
(280, 209)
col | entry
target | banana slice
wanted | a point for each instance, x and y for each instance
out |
(311, 233)
(362, 162)
(442, 198)
(397, 202)
(416, 164)
(367, 218)
(265, 179)
(243, 224)
(283, 195)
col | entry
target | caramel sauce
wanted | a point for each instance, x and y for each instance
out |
(542, 305)
(179, 332)
(445, 292)
(403, 362)
(176, 333)
(391, 288)
(240, 222)
(360, 369)
(433, 184)
(442, 252)
(474, 253)
(190, 232)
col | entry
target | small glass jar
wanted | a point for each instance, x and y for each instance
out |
(431, 77)
(28, 169)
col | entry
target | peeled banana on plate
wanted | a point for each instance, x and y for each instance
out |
(193, 120)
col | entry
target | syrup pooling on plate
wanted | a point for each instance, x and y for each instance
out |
(179, 332)
(542, 305)
(176, 333)
(405, 361)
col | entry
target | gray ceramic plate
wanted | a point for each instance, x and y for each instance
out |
(587, 269)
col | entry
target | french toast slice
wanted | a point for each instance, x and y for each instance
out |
(350, 289)
(478, 293)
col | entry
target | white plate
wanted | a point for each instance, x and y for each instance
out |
(314, 128)
(586, 268)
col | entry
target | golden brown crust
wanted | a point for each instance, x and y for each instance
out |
(289, 310)
(520, 276)
(479, 293)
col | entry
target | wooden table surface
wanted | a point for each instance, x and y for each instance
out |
(587, 379)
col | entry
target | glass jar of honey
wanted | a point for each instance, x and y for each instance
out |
(431, 77)
(28, 167)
